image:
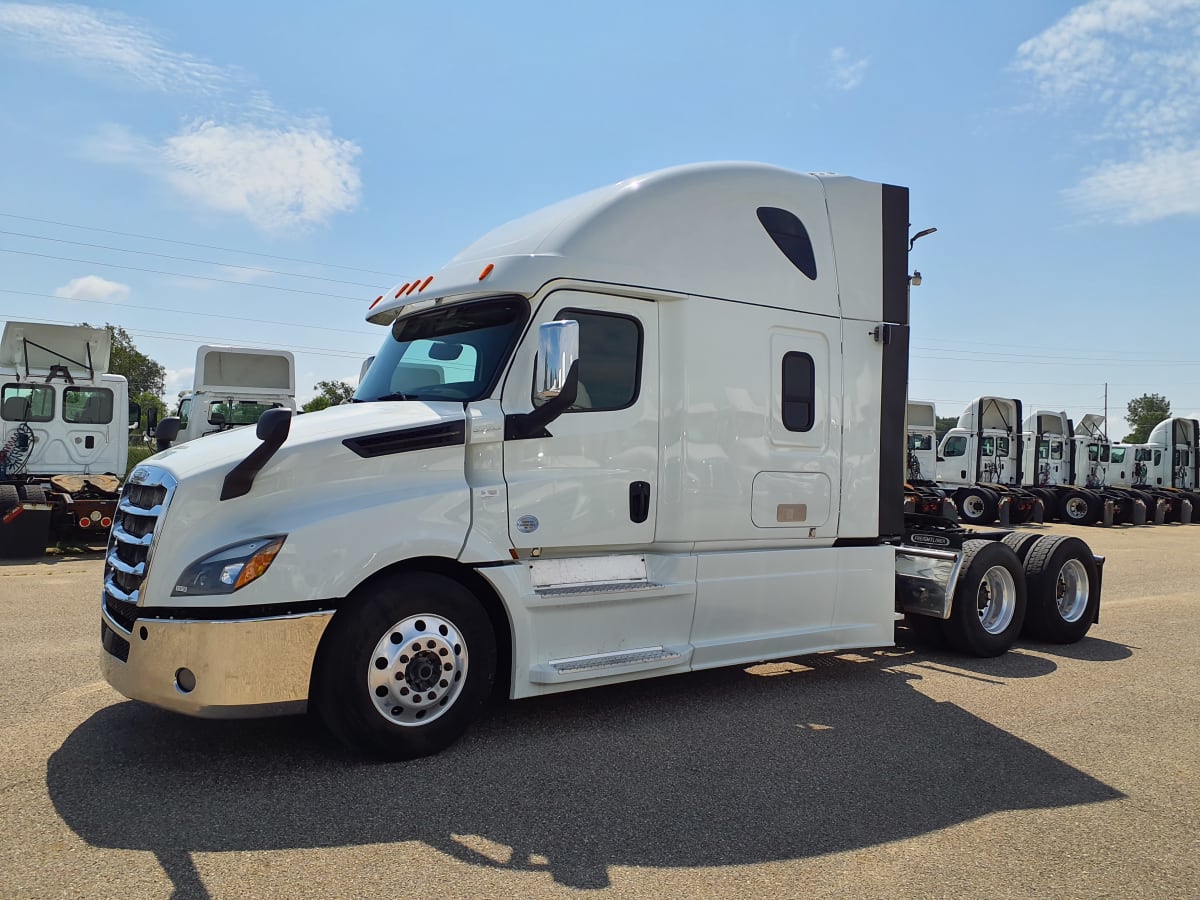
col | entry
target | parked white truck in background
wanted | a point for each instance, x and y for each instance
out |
(655, 428)
(234, 386)
(64, 434)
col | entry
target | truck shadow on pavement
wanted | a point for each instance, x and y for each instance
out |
(735, 766)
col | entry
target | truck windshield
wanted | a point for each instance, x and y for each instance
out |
(446, 353)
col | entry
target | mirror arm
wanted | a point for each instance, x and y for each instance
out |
(520, 426)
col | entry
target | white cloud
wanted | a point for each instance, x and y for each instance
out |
(177, 380)
(1133, 66)
(1153, 187)
(93, 287)
(277, 178)
(277, 170)
(110, 42)
(845, 73)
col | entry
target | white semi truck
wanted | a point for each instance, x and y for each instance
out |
(1166, 468)
(64, 435)
(652, 429)
(232, 387)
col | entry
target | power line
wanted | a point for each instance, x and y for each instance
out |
(147, 237)
(265, 287)
(175, 336)
(206, 262)
(186, 312)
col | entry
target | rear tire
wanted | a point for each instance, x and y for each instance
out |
(406, 666)
(1081, 508)
(8, 497)
(976, 506)
(1021, 542)
(1063, 589)
(989, 600)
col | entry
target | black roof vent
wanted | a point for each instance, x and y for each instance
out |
(789, 235)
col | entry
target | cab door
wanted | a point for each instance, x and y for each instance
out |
(593, 481)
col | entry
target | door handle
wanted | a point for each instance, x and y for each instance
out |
(639, 501)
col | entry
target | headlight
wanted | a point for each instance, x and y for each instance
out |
(230, 568)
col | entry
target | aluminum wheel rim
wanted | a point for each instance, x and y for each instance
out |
(1076, 508)
(1072, 590)
(417, 670)
(973, 506)
(996, 600)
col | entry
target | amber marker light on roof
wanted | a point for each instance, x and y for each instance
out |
(375, 302)
(425, 284)
(487, 270)
(413, 287)
(401, 291)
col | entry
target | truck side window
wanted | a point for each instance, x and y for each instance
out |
(1056, 450)
(1118, 454)
(799, 391)
(1002, 446)
(185, 407)
(610, 359)
(27, 403)
(955, 446)
(1093, 453)
(87, 405)
(989, 446)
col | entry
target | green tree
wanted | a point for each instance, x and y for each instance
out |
(143, 374)
(1143, 413)
(331, 393)
(944, 424)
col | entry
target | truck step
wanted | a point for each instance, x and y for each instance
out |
(597, 665)
(607, 587)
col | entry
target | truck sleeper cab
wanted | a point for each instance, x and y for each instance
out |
(652, 429)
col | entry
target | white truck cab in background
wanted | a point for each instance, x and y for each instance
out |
(64, 434)
(234, 386)
(655, 428)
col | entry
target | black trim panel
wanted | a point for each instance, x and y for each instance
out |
(427, 437)
(894, 236)
(236, 613)
(893, 396)
(857, 542)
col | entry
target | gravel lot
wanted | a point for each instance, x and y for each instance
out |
(1051, 771)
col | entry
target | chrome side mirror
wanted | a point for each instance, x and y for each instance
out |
(558, 349)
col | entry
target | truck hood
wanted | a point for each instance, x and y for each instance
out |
(312, 434)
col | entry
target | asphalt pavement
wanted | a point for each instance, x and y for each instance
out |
(899, 772)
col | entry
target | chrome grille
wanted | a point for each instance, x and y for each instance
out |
(131, 541)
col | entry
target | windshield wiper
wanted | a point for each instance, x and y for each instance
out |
(398, 395)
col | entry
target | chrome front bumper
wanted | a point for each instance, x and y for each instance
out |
(240, 668)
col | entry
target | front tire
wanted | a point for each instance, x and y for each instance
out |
(989, 600)
(1064, 589)
(406, 666)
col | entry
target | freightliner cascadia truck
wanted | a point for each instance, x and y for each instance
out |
(656, 428)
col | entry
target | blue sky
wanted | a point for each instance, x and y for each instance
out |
(1056, 147)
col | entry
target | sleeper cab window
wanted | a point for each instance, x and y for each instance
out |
(87, 405)
(27, 403)
(610, 359)
(799, 392)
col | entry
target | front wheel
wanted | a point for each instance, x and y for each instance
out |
(406, 666)
(989, 600)
(1064, 589)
